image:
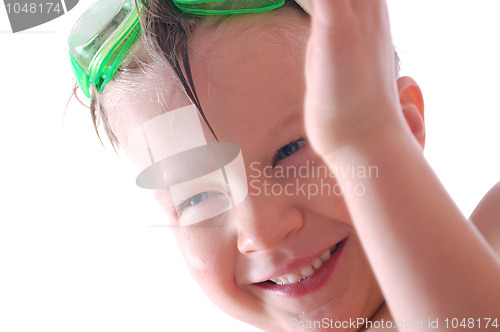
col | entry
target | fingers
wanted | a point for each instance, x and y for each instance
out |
(349, 68)
(351, 34)
(355, 30)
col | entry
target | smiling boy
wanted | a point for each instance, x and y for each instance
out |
(291, 91)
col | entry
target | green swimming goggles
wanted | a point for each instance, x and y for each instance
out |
(102, 37)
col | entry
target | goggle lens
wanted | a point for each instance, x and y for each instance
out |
(100, 39)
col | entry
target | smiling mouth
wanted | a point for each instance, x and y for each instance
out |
(305, 271)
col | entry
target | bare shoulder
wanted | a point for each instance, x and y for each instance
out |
(486, 217)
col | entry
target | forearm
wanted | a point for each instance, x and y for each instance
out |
(428, 260)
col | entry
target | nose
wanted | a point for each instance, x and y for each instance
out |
(264, 222)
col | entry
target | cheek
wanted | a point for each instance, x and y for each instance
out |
(209, 257)
(324, 196)
(329, 202)
(199, 249)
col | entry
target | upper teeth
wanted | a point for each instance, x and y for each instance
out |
(305, 271)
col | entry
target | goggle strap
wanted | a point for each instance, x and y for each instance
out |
(223, 7)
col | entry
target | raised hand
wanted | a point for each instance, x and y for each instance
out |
(423, 252)
(350, 73)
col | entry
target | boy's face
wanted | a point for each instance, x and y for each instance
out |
(249, 76)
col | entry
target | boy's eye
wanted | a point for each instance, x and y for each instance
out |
(197, 198)
(203, 206)
(288, 150)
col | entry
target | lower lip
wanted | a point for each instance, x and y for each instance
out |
(310, 284)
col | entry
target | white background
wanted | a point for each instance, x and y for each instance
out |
(77, 249)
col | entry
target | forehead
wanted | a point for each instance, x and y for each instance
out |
(257, 58)
(140, 95)
(250, 68)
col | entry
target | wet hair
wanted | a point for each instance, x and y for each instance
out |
(162, 24)
(166, 31)
(163, 42)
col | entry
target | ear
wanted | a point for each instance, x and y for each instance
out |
(412, 103)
